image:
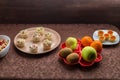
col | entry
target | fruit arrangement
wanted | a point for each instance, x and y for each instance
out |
(85, 52)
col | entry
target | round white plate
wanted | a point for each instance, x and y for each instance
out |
(95, 37)
(56, 39)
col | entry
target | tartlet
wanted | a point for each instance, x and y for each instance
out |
(106, 35)
(36, 37)
(48, 36)
(101, 38)
(33, 48)
(20, 43)
(100, 33)
(110, 32)
(40, 30)
(47, 44)
(112, 38)
(23, 34)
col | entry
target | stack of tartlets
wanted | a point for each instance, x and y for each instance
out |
(106, 36)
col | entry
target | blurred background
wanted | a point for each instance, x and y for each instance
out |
(60, 11)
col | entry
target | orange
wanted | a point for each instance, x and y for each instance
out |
(86, 41)
(97, 45)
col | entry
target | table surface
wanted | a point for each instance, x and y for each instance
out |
(18, 65)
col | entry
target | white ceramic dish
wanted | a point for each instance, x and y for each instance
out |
(56, 39)
(95, 37)
(6, 49)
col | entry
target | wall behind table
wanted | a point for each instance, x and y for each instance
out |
(60, 11)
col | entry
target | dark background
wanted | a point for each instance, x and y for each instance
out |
(60, 11)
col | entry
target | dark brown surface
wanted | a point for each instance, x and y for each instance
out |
(18, 65)
(59, 11)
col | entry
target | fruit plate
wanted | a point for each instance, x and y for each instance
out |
(95, 37)
(56, 39)
(81, 61)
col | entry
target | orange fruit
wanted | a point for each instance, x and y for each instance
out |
(97, 45)
(86, 41)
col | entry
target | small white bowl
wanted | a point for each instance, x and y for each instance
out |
(6, 49)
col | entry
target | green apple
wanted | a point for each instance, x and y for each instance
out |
(71, 42)
(89, 54)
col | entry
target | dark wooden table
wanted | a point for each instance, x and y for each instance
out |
(18, 65)
(59, 11)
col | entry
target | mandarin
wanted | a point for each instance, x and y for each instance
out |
(97, 45)
(86, 41)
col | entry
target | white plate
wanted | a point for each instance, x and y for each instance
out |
(56, 39)
(95, 37)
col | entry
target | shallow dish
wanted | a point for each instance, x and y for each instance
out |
(95, 37)
(82, 62)
(56, 39)
(5, 50)
(86, 64)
